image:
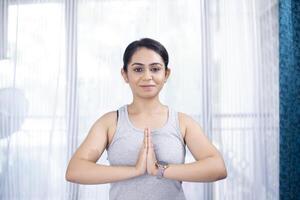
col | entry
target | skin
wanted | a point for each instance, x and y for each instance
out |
(146, 67)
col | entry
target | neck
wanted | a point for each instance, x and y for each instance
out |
(147, 106)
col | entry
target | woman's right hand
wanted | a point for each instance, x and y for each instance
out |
(141, 164)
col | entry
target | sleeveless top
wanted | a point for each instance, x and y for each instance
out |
(169, 146)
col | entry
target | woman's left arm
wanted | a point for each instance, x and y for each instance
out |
(209, 165)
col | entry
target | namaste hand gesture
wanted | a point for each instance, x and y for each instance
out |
(146, 160)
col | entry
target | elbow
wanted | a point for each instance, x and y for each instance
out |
(219, 169)
(222, 172)
(70, 175)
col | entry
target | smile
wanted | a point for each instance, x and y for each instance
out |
(147, 87)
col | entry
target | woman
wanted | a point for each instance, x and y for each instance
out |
(145, 141)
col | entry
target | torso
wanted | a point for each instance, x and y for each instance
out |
(156, 122)
(123, 148)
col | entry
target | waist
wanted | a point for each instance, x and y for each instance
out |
(147, 187)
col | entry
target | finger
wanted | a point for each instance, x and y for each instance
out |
(150, 145)
(145, 139)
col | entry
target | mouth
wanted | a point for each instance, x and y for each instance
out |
(147, 85)
(148, 88)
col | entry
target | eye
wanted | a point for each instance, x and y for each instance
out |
(155, 69)
(138, 69)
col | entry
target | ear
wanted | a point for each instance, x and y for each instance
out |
(124, 74)
(167, 74)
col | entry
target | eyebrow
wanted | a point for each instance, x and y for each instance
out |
(143, 64)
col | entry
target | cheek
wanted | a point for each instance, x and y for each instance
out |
(160, 79)
(133, 80)
(131, 77)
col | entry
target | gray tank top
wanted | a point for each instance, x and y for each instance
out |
(169, 146)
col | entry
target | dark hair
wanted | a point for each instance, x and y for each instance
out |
(146, 43)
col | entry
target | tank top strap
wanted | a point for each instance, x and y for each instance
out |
(122, 121)
(173, 118)
(174, 122)
(121, 118)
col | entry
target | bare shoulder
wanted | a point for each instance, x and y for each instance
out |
(196, 140)
(186, 122)
(185, 118)
(108, 119)
(183, 121)
(182, 116)
(97, 138)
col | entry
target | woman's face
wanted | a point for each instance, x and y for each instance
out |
(146, 73)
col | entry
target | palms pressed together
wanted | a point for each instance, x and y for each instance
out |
(147, 157)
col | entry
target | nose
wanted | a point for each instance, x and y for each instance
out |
(147, 75)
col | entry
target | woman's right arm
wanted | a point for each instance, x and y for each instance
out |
(82, 167)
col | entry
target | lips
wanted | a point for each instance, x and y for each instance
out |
(148, 88)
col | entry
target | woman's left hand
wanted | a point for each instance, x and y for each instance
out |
(151, 157)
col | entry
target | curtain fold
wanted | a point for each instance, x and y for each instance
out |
(3, 28)
(72, 96)
(63, 60)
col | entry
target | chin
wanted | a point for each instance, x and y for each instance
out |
(149, 95)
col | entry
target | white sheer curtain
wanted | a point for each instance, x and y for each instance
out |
(60, 70)
(32, 91)
(243, 64)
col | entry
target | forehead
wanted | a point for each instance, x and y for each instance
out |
(145, 56)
